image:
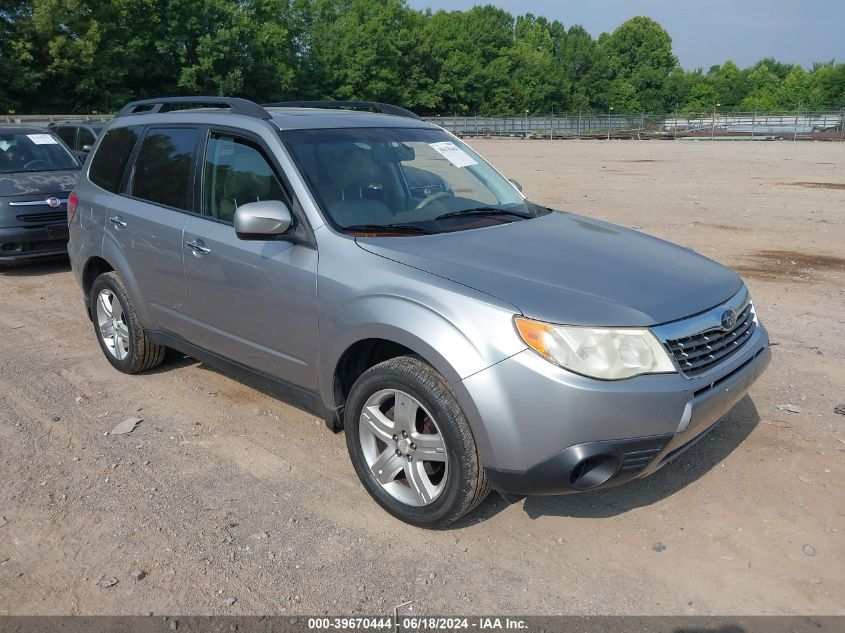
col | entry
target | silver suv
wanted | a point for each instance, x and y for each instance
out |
(372, 268)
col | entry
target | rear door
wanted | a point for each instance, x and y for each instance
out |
(147, 221)
(253, 302)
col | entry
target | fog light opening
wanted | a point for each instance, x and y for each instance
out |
(592, 472)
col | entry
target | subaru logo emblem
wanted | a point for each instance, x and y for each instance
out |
(53, 202)
(728, 319)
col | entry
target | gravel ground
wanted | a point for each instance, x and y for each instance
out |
(232, 502)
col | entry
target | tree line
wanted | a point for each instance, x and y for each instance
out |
(92, 56)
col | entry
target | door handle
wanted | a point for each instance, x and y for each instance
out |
(117, 222)
(197, 248)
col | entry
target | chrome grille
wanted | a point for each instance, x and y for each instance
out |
(697, 353)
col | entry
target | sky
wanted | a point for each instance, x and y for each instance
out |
(704, 32)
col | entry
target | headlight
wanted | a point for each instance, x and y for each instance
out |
(606, 353)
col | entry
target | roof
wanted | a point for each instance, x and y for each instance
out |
(321, 118)
(23, 129)
(286, 116)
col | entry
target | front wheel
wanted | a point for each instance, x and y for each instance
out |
(411, 445)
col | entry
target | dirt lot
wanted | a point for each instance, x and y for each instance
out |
(233, 502)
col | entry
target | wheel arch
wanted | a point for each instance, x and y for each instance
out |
(112, 260)
(441, 344)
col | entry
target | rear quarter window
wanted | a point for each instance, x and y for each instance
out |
(111, 157)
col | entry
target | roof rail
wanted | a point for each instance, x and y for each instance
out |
(383, 108)
(237, 106)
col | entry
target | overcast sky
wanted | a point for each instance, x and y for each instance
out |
(704, 32)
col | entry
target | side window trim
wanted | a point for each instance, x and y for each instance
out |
(129, 173)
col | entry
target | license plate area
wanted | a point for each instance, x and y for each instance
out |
(57, 232)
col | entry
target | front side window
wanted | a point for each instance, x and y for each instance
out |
(405, 180)
(236, 172)
(111, 157)
(162, 171)
(34, 151)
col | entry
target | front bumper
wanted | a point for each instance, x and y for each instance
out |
(543, 430)
(32, 243)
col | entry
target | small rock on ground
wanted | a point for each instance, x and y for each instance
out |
(809, 550)
(658, 547)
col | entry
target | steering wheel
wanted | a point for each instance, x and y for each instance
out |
(32, 163)
(432, 197)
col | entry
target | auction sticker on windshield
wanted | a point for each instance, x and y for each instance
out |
(42, 139)
(453, 153)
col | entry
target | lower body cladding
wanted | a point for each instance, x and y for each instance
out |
(542, 430)
(26, 244)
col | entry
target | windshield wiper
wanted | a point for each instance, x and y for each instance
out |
(387, 228)
(482, 211)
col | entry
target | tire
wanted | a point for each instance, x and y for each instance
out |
(131, 351)
(431, 475)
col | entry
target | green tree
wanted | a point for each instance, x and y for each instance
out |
(763, 87)
(586, 67)
(640, 52)
(22, 74)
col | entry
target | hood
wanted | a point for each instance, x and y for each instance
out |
(38, 182)
(565, 268)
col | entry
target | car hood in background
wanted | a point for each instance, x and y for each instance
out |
(565, 268)
(38, 182)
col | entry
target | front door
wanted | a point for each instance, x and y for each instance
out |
(253, 302)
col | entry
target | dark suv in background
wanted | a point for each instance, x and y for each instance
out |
(79, 136)
(37, 172)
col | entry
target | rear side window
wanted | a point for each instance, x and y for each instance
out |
(162, 171)
(66, 133)
(86, 137)
(110, 160)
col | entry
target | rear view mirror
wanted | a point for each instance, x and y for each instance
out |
(262, 220)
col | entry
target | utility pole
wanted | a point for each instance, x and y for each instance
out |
(754, 120)
(841, 123)
(713, 129)
(609, 112)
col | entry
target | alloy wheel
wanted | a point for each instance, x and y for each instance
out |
(112, 324)
(403, 447)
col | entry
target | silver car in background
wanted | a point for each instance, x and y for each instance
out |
(372, 268)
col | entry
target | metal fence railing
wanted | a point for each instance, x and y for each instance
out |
(793, 126)
(741, 125)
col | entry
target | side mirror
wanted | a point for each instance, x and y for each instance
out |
(516, 184)
(262, 220)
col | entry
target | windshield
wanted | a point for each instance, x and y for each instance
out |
(35, 151)
(403, 181)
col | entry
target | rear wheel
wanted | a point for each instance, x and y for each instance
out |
(411, 444)
(119, 332)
